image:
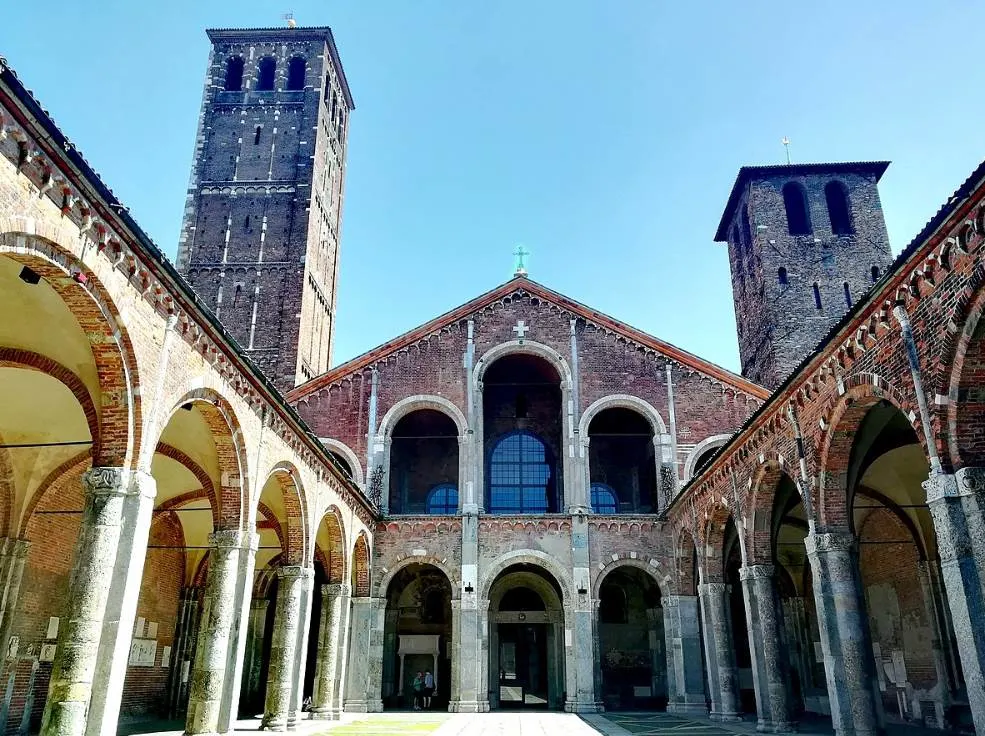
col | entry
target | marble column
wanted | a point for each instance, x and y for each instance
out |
(326, 703)
(844, 630)
(214, 657)
(253, 659)
(766, 647)
(723, 679)
(279, 706)
(365, 658)
(685, 672)
(957, 505)
(389, 677)
(115, 518)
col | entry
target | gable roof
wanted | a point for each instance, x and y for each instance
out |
(522, 283)
(747, 173)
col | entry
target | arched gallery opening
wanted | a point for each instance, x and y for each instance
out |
(632, 652)
(417, 636)
(424, 464)
(622, 463)
(521, 409)
(732, 554)
(526, 640)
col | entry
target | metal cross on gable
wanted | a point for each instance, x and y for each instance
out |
(521, 329)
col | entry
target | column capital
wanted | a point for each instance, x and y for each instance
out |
(713, 588)
(751, 572)
(106, 481)
(334, 590)
(964, 482)
(827, 542)
(234, 539)
(295, 572)
(259, 604)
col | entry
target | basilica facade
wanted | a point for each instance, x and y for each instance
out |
(203, 520)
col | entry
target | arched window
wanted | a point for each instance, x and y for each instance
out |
(848, 294)
(295, 73)
(442, 499)
(234, 74)
(520, 474)
(265, 73)
(798, 213)
(781, 275)
(817, 295)
(839, 211)
(603, 499)
(875, 273)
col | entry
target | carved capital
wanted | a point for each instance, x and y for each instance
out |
(233, 539)
(105, 481)
(753, 572)
(710, 589)
(939, 486)
(295, 572)
(970, 481)
(829, 542)
(335, 590)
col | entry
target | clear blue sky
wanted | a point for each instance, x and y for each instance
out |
(603, 135)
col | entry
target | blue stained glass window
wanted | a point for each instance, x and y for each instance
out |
(442, 499)
(603, 499)
(519, 475)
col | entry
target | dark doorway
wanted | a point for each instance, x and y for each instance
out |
(523, 666)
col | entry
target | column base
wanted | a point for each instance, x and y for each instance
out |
(469, 706)
(363, 706)
(579, 707)
(725, 717)
(324, 714)
(274, 723)
(766, 727)
(688, 709)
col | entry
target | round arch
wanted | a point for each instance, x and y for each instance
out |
(531, 557)
(298, 549)
(685, 563)
(708, 443)
(844, 417)
(759, 527)
(623, 401)
(38, 246)
(526, 347)
(968, 313)
(614, 565)
(383, 584)
(360, 566)
(712, 543)
(233, 491)
(346, 452)
(421, 401)
(334, 534)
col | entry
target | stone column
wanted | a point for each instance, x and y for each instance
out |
(326, 704)
(253, 659)
(844, 630)
(214, 658)
(13, 555)
(800, 647)
(658, 655)
(365, 659)
(301, 648)
(115, 517)
(685, 673)
(388, 677)
(723, 679)
(766, 648)
(279, 706)
(957, 505)
(583, 643)
(183, 650)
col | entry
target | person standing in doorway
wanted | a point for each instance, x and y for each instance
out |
(418, 690)
(428, 689)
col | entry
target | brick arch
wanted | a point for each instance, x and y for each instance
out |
(360, 566)
(201, 572)
(711, 561)
(29, 360)
(685, 553)
(422, 401)
(627, 561)
(231, 498)
(527, 347)
(842, 422)
(333, 559)
(297, 550)
(266, 577)
(269, 521)
(759, 511)
(963, 354)
(208, 487)
(532, 557)
(623, 401)
(120, 419)
(383, 584)
(72, 463)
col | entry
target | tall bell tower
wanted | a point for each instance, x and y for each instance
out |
(263, 214)
(805, 242)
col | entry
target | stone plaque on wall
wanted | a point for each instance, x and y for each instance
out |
(142, 653)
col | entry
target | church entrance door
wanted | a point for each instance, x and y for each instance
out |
(523, 665)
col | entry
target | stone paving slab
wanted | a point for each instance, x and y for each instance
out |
(653, 724)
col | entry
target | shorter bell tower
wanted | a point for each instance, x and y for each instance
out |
(805, 242)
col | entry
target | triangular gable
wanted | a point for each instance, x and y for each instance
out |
(514, 285)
